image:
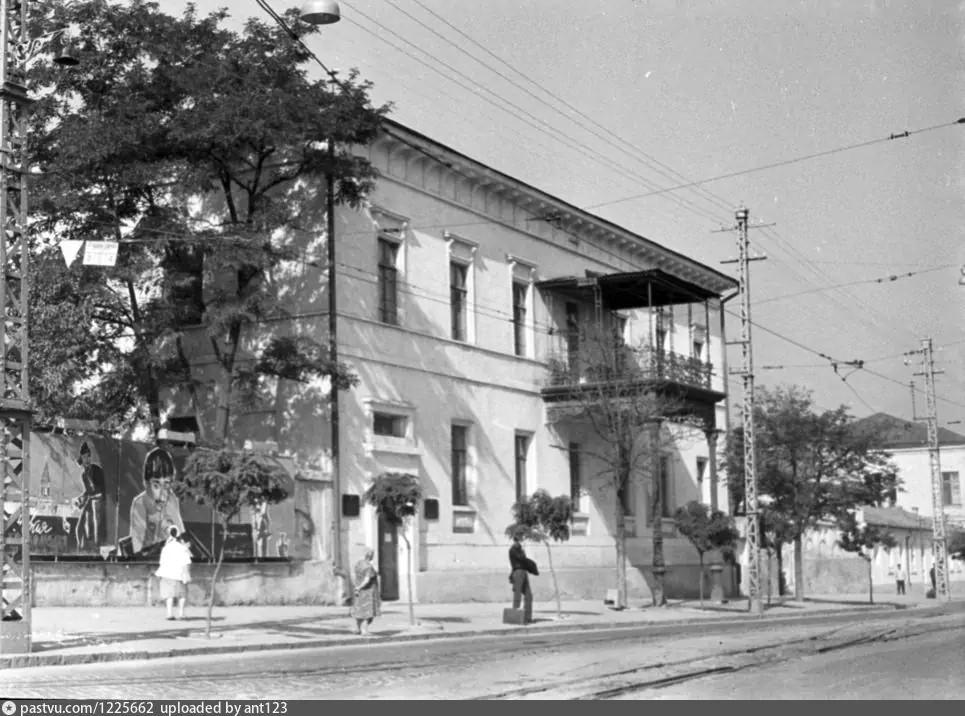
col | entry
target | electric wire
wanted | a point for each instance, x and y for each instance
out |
(781, 163)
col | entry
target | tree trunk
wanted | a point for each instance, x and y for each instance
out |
(621, 545)
(767, 553)
(214, 578)
(658, 564)
(700, 579)
(408, 551)
(871, 589)
(556, 586)
(798, 568)
(779, 547)
(225, 387)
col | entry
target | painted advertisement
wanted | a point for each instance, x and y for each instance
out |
(102, 498)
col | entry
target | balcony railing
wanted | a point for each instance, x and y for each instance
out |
(629, 364)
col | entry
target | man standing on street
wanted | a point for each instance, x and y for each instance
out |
(900, 580)
(519, 577)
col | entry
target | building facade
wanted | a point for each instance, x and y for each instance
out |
(463, 295)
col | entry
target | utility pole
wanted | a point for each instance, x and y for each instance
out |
(939, 547)
(15, 418)
(17, 50)
(755, 603)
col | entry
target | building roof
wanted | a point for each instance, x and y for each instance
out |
(557, 211)
(898, 433)
(895, 517)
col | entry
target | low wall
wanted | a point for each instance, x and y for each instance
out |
(121, 584)
(681, 582)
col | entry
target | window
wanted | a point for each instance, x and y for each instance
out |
(520, 291)
(576, 481)
(388, 282)
(698, 349)
(701, 469)
(522, 448)
(389, 425)
(573, 338)
(666, 488)
(458, 298)
(628, 497)
(951, 489)
(459, 434)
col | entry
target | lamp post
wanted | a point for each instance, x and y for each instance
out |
(326, 12)
(17, 50)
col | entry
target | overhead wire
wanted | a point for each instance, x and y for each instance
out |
(782, 163)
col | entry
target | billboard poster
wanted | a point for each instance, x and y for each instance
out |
(98, 497)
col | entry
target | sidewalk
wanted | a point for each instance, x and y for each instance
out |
(77, 635)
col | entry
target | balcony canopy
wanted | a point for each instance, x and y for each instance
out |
(634, 289)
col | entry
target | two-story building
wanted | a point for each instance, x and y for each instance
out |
(462, 293)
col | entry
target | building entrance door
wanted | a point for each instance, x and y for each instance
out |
(388, 560)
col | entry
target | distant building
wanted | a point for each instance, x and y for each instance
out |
(907, 442)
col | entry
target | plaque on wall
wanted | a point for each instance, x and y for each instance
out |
(463, 521)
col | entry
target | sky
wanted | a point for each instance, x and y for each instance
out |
(613, 105)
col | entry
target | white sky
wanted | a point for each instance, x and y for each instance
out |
(700, 88)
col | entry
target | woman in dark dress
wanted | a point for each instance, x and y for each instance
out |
(368, 599)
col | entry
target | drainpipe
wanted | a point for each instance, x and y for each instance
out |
(724, 371)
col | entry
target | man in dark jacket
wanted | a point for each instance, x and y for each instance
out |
(519, 577)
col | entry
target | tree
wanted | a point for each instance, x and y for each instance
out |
(863, 540)
(813, 466)
(227, 482)
(198, 149)
(624, 406)
(706, 532)
(396, 497)
(542, 518)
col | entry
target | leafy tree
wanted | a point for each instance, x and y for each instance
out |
(624, 408)
(863, 540)
(227, 482)
(813, 466)
(542, 518)
(396, 496)
(706, 531)
(198, 149)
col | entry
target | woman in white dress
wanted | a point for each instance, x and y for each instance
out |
(174, 572)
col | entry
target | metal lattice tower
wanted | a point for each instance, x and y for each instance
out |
(14, 392)
(939, 547)
(750, 462)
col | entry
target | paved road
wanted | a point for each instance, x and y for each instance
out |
(930, 666)
(572, 664)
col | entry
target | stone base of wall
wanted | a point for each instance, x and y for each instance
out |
(110, 584)
(681, 582)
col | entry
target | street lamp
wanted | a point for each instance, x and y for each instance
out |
(326, 12)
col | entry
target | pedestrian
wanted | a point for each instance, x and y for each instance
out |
(174, 572)
(900, 579)
(368, 600)
(519, 578)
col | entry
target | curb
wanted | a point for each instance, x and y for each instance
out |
(22, 661)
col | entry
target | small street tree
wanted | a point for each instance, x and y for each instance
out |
(396, 497)
(863, 540)
(812, 466)
(542, 518)
(623, 406)
(227, 482)
(706, 531)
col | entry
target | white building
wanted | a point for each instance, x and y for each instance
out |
(459, 292)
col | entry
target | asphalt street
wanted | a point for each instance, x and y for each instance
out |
(637, 662)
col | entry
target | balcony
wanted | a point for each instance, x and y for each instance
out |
(630, 364)
(573, 377)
